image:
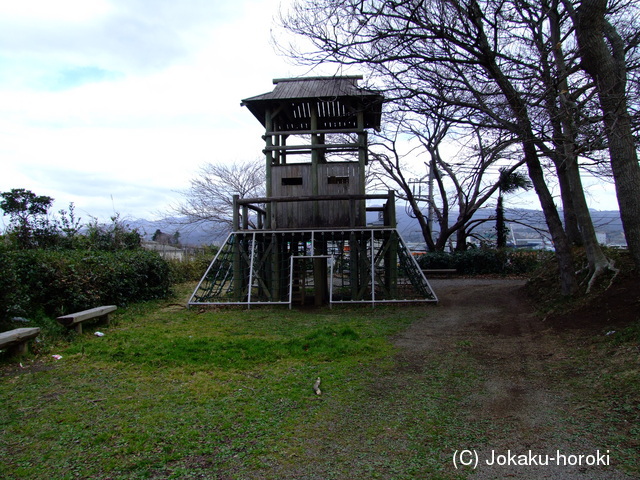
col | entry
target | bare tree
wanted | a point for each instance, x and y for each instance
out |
(561, 132)
(603, 54)
(460, 186)
(209, 199)
(459, 51)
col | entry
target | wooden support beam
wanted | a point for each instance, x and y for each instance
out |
(314, 147)
(244, 201)
(309, 132)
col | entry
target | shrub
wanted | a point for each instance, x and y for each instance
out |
(485, 261)
(54, 282)
(114, 236)
(193, 269)
(11, 293)
(54, 266)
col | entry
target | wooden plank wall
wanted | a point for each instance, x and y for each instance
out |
(294, 180)
(336, 214)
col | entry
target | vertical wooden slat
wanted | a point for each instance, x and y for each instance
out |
(268, 164)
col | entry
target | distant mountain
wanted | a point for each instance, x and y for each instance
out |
(189, 235)
(607, 224)
(522, 222)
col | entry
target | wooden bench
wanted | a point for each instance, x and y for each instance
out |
(16, 340)
(439, 271)
(75, 319)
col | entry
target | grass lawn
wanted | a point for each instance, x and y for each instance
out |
(227, 394)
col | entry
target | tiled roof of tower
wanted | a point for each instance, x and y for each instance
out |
(337, 99)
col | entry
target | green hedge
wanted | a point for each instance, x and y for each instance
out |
(193, 269)
(484, 261)
(50, 282)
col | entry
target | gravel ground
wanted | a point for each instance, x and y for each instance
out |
(515, 351)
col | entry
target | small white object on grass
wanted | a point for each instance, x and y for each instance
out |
(316, 387)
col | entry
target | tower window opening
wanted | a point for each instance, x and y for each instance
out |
(292, 181)
(338, 180)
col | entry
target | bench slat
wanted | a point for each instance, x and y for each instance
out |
(17, 336)
(70, 319)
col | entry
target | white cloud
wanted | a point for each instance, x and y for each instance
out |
(60, 11)
(115, 104)
(119, 103)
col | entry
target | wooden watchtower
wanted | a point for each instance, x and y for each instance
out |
(313, 238)
(316, 146)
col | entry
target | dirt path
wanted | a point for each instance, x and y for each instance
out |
(515, 353)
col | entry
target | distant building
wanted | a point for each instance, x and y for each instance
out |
(168, 252)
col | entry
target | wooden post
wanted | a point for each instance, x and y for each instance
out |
(19, 349)
(268, 121)
(275, 141)
(354, 271)
(269, 162)
(391, 208)
(237, 266)
(283, 154)
(320, 271)
(391, 260)
(236, 213)
(320, 281)
(315, 154)
(275, 270)
(353, 212)
(362, 161)
(245, 217)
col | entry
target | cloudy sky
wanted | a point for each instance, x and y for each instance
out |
(115, 104)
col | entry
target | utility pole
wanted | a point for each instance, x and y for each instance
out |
(416, 183)
(432, 169)
(429, 199)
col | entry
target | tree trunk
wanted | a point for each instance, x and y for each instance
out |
(501, 229)
(603, 58)
(568, 282)
(461, 239)
(557, 89)
(568, 205)
(565, 131)
(566, 268)
(598, 262)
